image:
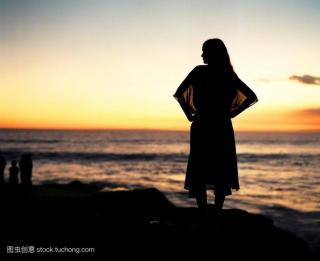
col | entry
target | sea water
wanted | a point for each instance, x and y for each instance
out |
(279, 172)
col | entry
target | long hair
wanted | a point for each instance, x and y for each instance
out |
(217, 55)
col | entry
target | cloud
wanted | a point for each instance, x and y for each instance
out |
(306, 79)
(308, 118)
(311, 112)
(310, 115)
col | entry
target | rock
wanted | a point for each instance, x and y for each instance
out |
(136, 222)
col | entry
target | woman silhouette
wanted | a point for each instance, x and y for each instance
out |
(209, 96)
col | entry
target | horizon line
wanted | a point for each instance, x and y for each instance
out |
(150, 129)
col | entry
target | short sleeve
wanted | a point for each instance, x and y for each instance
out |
(186, 83)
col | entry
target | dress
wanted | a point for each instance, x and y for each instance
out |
(210, 97)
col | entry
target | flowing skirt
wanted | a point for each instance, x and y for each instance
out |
(212, 162)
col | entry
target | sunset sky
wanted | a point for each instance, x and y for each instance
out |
(116, 64)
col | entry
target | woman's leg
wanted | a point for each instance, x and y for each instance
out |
(201, 198)
(219, 200)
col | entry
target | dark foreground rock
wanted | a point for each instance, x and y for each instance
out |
(138, 223)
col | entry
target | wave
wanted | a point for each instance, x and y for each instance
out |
(163, 157)
(278, 141)
(94, 141)
(159, 141)
(36, 141)
(253, 157)
(98, 157)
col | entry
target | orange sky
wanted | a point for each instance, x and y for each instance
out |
(110, 65)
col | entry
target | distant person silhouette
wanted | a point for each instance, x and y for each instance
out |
(13, 173)
(210, 95)
(26, 166)
(2, 167)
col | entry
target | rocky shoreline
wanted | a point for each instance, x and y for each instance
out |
(135, 223)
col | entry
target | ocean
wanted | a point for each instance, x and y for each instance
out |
(279, 172)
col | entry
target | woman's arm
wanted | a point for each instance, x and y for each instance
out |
(186, 108)
(251, 96)
(184, 86)
(244, 98)
(184, 96)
